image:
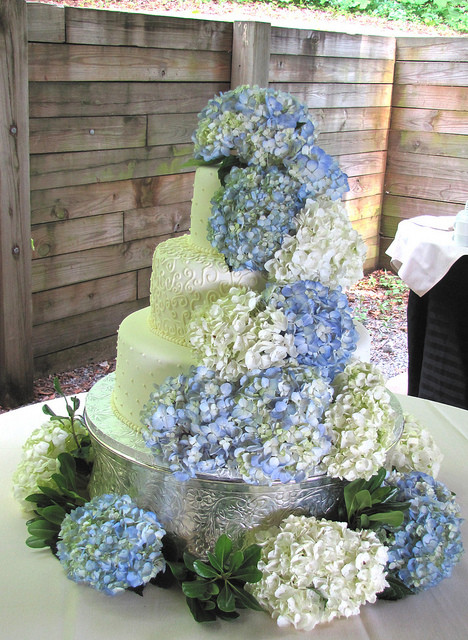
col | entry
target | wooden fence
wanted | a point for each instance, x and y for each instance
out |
(113, 99)
(427, 168)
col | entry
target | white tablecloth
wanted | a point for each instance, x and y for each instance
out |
(423, 251)
(39, 603)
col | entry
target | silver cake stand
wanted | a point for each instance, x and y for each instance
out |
(198, 510)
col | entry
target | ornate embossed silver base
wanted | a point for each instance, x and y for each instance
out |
(199, 510)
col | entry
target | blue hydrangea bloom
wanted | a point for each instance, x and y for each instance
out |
(264, 426)
(111, 544)
(321, 321)
(252, 214)
(426, 547)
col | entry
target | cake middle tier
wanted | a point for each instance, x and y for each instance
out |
(185, 276)
(143, 361)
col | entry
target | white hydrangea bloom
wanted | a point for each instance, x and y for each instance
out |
(361, 422)
(316, 570)
(325, 248)
(232, 335)
(415, 451)
(39, 457)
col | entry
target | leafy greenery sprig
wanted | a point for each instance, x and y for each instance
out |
(215, 588)
(370, 505)
(71, 482)
(53, 505)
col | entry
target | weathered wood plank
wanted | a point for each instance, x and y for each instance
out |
(368, 228)
(66, 169)
(360, 208)
(46, 22)
(327, 95)
(384, 259)
(430, 97)
(360, 164)
(67, 236)
(289, 68)
(285, 40)
(64, 62)
(171, 128)
(430, 166)
(85, 327)
(56, 135)
(251, 48)
(79, 298)
(435, 188)
(16, 370)
(436, 49)
(144, 279)
(397, 208)
(352, 119)
(71, 268)
(364, 186)
(432, 73)
(108, 197)
(88, 26)
(423, 142)
(65, 99)
(359, 141)
(438, 120)
(84, 354)
(155, 221)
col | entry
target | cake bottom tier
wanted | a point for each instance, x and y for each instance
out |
(143, 361)
(195, 512)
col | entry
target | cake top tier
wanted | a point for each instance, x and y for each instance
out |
(206, 184)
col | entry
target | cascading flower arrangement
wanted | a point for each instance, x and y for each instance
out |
(277, 396)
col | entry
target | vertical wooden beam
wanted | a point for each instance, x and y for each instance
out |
(16, 361)
(251, 53)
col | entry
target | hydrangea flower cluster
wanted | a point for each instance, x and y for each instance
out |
(264, 426)
(415, 451)
(272, 136)
(319, 171)
(324, 247)
(39, 457)
(316, 570)
(236, 334)
(111, 544)
(320, 321)
(262, 126)
(426, 547)
(361, 422)
(252, 214)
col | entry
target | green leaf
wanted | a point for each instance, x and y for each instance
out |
(215, 562)
(36, 543)
(199, 612)
(53, 514)
(223, 548)
(235, 561)
(397, 590)
(251, 574)
(247, 599)
(252, 555)
(43, 529)
(178, 569)
(189, 559)
(68, 469)
(363, 500)
(391, 518)
(205, 570)
(226, 600)
(200, 589)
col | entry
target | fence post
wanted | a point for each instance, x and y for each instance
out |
(16, 360)
(251, 53)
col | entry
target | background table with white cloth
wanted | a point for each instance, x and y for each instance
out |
(38, 602)
(436, 270)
